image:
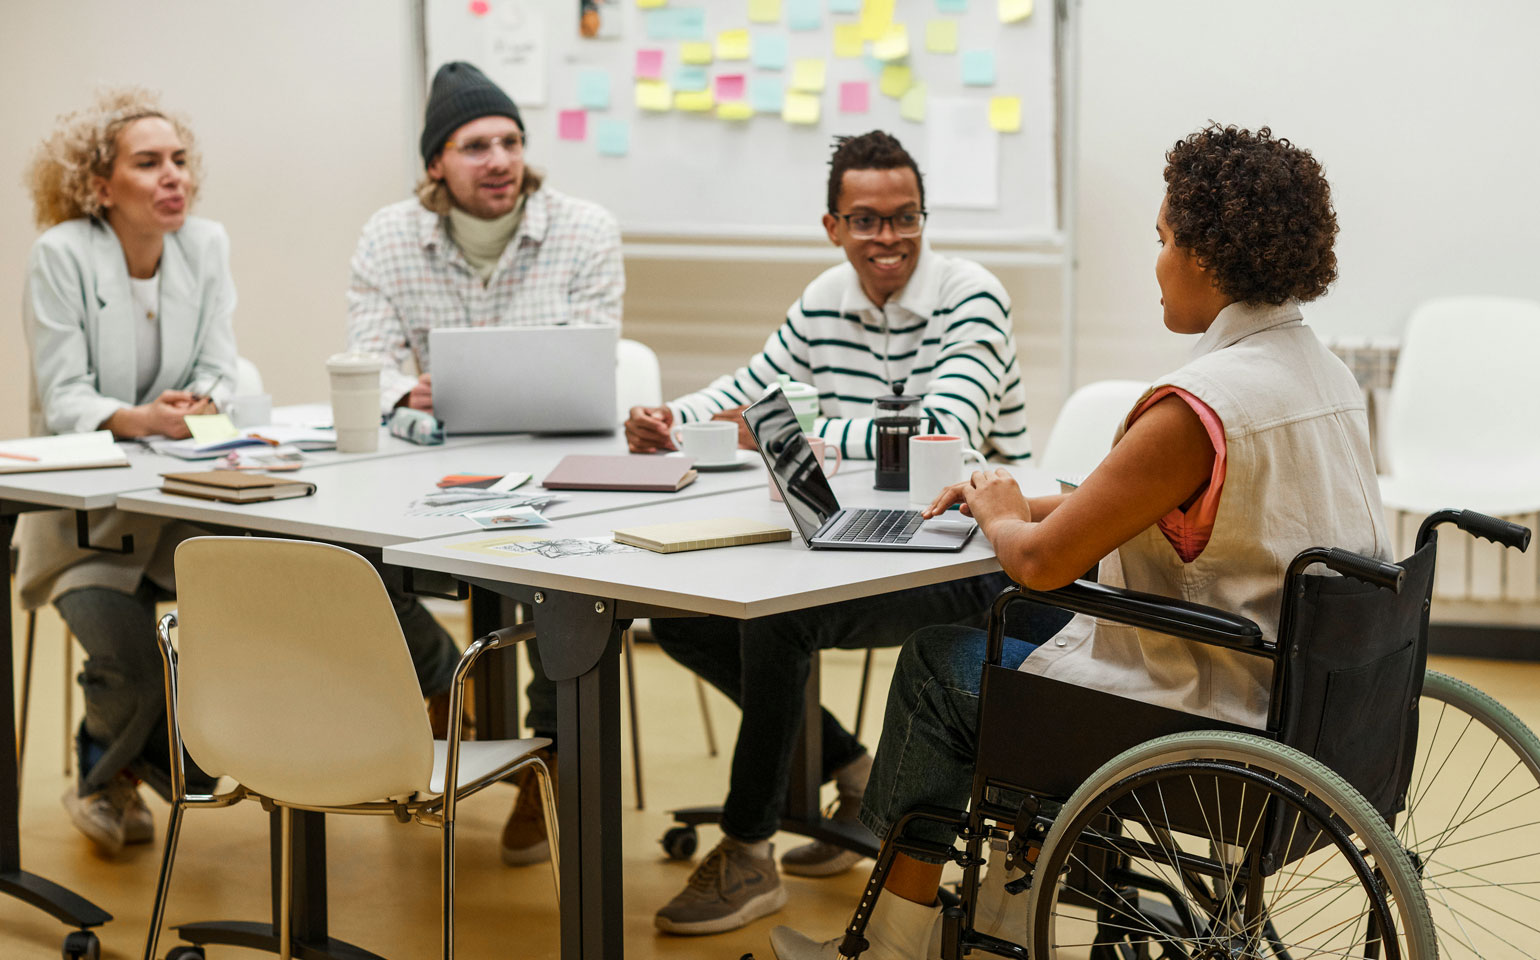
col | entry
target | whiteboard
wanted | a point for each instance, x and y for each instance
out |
(695, 177)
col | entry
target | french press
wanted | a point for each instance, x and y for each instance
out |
(895, 419)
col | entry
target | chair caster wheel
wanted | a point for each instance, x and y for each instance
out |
(680, 842)
(82, 945)
(185, 953)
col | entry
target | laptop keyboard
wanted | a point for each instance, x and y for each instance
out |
(878, 526)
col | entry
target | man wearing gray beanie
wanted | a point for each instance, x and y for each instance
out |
(483, 243)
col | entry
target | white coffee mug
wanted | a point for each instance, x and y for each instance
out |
(935, 462)
(709, 443)
(355, 401)
(821, 448)
(251, 410)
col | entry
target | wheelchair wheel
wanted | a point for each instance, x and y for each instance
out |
(1472, 822)
(1259, 851)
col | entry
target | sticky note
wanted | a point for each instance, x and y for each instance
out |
(844, 6)
(593, 89)
(649, 64)
(694, 101)
(614, 137)
(767, 94)
(978, 68)
(855, 97)
(847, 40)
(214, 427)
(873, 65)
(808, 76)
(572, 125)
(1015, 11)
(733, 45)
(689, 23)
(801, 108)
(764, 11)
(662, 24)
(803, 14)
(952, 6)
(941, 36)
(770, 51)
(653, 95)
(691, 78)
(648, 4)
(734, 110)
(893, 45)
(895, 80)
(479, 7)
(876, 18)
(1005, 114)
(730, 86)
(696, 53)
(912, 105)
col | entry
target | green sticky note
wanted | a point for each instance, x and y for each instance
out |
(895, 80)
(211, 428)
(941, 36)
(912, 105)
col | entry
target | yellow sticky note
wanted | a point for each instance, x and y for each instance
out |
(800, 108)
(211, 428)
(694, 101)
(941, 36)
(695, 53)
(735, 110)
(1015, 11)
(1005, 114)
(733, 45)
(653, 95)
(893, 45)
(765, 11)
(895, 80)
(808, 76)
(847, 40)
(912, 105)
(650, 4)
(876, 18)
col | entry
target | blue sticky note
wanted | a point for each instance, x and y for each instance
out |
(691, 78)
(770, 51)
(661, 24)
(952, 6)
(593, 90)
(873, 65)
(767, 94)
(689, 23)
(614, 137)
(803, 14)
(844, 6)
(978, 68)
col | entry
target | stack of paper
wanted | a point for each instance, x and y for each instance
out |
(68, 451)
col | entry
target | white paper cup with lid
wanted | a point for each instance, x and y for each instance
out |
(355, 382)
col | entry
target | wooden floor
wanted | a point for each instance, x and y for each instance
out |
(384, 875)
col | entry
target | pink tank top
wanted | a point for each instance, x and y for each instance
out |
(1188, 528)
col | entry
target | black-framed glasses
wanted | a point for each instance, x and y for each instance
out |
(865, 226)
(480, 149)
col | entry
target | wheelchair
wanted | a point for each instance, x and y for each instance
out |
(1351, 826)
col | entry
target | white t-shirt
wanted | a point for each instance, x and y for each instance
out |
(146, 331)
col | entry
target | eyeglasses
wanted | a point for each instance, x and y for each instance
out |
(865, 226)
(480, 149)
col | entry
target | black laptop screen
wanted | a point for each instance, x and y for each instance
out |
(790, 460)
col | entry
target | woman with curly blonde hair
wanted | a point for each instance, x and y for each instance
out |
(127, 313)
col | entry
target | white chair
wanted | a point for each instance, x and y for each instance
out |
(1083, 433)
(638, 379)
(248, 379)
(291, 677)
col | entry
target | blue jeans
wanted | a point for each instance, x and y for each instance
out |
(930, 732)
(762, 665)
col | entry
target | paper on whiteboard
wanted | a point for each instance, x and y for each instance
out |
(963, 169)
(515, 51)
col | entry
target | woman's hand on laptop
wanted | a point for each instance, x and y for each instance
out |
(988, 497)
(648, 429)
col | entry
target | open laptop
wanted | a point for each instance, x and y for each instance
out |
(820, 520)
(552, 379)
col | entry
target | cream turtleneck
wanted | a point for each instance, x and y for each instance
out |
(483, 241)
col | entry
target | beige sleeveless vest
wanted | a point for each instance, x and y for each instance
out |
(1299, 474)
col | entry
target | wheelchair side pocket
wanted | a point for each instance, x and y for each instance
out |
(1363, 724)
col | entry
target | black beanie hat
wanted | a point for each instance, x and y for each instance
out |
(460, 94)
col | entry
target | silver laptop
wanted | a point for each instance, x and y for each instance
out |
(820, 520)
(555, 379)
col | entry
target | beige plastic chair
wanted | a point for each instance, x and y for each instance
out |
(1083, 432)
(292, 678)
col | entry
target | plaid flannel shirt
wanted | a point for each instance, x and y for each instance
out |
(563, 265)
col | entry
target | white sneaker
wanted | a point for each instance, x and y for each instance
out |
(899, 929)
(138, 822)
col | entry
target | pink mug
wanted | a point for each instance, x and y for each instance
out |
(820, 448)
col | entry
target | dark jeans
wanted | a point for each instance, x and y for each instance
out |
(762, 665)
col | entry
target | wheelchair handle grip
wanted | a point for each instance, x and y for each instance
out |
(1367, 569)
(1491, 528)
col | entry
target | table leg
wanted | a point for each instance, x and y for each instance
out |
(806, 773)
(495, 683)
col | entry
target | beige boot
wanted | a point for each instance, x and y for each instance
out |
(898, 930)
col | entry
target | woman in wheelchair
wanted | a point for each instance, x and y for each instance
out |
(1226, 469)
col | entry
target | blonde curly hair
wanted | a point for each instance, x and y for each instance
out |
(84, 146)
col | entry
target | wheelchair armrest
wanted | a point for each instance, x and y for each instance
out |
(1178, 618)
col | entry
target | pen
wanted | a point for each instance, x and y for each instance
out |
(18, 456)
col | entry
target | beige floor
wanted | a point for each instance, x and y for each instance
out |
(384, 875)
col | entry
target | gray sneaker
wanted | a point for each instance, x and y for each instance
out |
(821, 859)
(730, 888)
(138, 822)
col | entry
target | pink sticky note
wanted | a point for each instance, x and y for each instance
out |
(572, 125)
(479, 7)
(855, 97)
(730, 86)
(649, 64)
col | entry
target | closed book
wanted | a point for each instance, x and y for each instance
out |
(701, 534)
(580, 471)
(234, 486)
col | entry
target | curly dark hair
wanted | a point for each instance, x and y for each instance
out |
(876, 150)
(1256, 211)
